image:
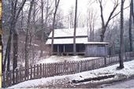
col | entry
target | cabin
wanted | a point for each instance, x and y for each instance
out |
(63, 43)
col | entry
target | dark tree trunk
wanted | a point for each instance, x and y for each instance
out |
(42, 28)
(53, 26)
(15, 49)
(15, 11)
(27, 37)
(130, 26)
(8, 52)
(1, 46)
(75, 24)
(121, 65)
(7, 55)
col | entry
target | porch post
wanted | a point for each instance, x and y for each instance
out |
(64, 49)
(58, 50)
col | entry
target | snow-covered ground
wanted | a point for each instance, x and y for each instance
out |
(53, 59)
(55, 80)
(122, 84)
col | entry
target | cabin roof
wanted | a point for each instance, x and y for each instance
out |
(67, 41)
(69, 32)
(65, 36)
(96, 43)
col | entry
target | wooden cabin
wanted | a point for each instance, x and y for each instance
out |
(63, 43)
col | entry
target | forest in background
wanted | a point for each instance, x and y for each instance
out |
(28, 23)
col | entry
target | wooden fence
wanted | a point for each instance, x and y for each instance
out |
(62, 68)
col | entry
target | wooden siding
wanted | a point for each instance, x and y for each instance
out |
(96, 50)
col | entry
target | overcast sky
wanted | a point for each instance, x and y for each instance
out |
(66, 5)
(83, 5)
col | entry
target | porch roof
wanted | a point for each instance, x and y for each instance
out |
(68, 41)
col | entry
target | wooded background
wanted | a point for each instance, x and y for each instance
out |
(27, 23)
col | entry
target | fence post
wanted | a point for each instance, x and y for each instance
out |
(43, 71)
(20, 75)
(46, 71)
(55, 68)
(64, 68)
(105, 61)
(37, 71)
(40, 70)
(78, 66)
(25, 74)
(31, 72)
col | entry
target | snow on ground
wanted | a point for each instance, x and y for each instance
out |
(53, 59)
(128, 71)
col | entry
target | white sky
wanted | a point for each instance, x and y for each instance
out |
(66, 5)
(84, 4)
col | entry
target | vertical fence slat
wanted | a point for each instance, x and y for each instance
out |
(20, 75)
(40, 71)
(31, 72)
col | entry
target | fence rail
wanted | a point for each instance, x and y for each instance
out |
(62, 68)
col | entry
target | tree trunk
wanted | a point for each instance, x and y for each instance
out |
(1, 46)
(130, 26)
(42, 28)
(34, 29)
(53, 26)
(7, 55)
(27, 38)
(105, 24)
(75, 24)
(102, 37)
(15, 49)
(121, 65)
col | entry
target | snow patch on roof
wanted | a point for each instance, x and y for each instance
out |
(69, 32)
(68, 41)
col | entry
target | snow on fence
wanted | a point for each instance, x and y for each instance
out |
(61, 68)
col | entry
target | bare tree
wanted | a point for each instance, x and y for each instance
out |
(111, 16)
(53, 25)
(91, 20)
(71, 17)
(15, 12)
(47, 6)
(15, 34)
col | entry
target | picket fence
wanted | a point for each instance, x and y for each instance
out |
(61, 68)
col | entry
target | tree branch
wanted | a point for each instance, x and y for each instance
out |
(119, 12)
(101, 9)
(109, 18)
(17, 15)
